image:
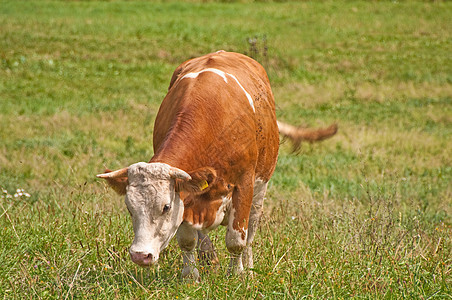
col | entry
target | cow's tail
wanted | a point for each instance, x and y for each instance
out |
(298, 134)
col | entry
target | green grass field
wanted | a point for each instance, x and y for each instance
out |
(366, 214)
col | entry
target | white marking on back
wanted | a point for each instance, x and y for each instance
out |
(250, 100)
(223, 75)
(216, 71)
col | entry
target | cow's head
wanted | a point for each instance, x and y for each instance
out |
(152, 195)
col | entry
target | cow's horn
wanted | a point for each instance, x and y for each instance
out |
(114, 174)
(179, 174)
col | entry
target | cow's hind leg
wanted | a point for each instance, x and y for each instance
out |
(206, 251)
(236, 234)
(260, 188)
(187, 238)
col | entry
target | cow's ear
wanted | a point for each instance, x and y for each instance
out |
(117, 180)
(201, 181)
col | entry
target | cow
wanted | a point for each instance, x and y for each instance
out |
(215, 146)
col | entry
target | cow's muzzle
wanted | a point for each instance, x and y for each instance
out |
(143, 259)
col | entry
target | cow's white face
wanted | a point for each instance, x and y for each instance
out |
(155, 207)
(154, 203)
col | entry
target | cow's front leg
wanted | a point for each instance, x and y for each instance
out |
(187, 238)
(236, 234)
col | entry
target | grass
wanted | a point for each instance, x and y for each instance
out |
(366, 214)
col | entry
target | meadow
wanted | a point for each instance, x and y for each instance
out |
(366, 214)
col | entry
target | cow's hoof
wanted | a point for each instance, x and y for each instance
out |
(235, 270)
(209, 264)
(191, 274)
(235, 265)
(249, 273)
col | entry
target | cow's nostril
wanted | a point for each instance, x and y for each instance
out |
(147, 258)
(142, 258)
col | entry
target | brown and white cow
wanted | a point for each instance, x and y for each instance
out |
(216, 144)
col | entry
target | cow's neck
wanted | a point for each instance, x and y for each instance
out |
(176, 158)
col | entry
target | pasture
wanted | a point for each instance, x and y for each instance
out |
(365, 214)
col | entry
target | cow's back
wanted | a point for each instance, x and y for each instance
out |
(219, 112)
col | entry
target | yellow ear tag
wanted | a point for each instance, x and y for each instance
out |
(204, 185)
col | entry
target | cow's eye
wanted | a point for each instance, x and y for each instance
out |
(166, 208)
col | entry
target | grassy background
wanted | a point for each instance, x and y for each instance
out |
(366, 214)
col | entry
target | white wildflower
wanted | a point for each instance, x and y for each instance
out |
(18, 194)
